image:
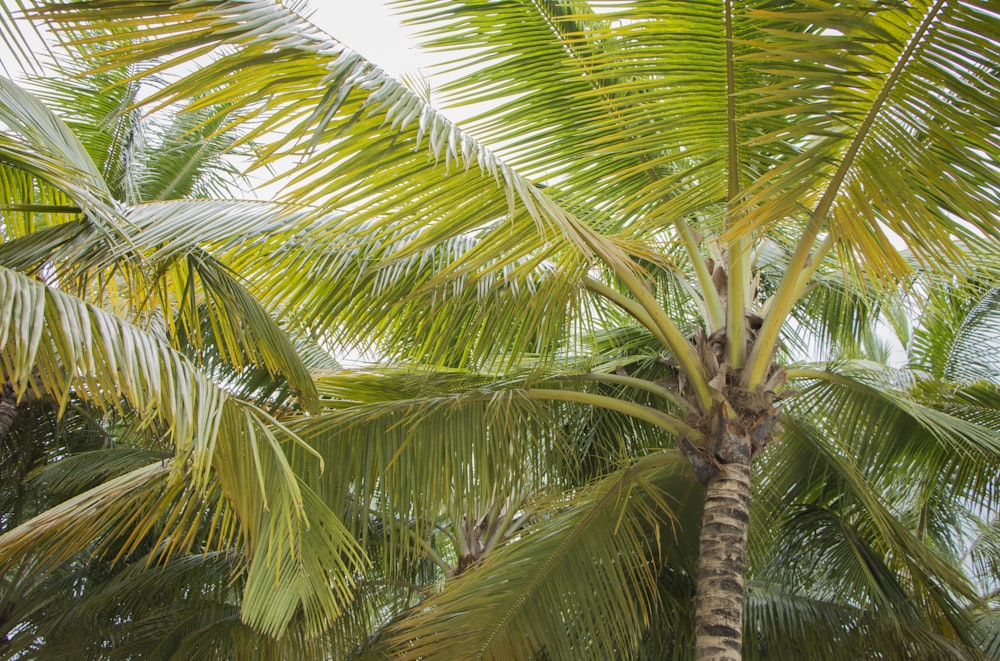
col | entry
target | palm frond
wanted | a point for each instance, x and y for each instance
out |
(328, 90)
(956, 337)
(882, 559)
(77, 348)
(984, 555)
(783, 624)
(244, 332)
(834, 315)
(990, 622)
(81, 471)
(43, 131)
(580, 583)
(410, 304)
(348, 92)
(98, 110)
(21, 38)
(409, 447)
(188, 156)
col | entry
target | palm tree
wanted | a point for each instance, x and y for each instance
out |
(725, 188)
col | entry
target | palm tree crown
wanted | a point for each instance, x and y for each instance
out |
(652, 303)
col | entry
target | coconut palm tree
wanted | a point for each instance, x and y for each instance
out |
(844, 559)
(725, 188)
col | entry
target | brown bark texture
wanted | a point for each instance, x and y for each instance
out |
(722, 564)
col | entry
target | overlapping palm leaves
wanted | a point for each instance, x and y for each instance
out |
(643, 137)
(91, 314)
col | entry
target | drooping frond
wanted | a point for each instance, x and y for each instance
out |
(359, 139)
(243, 332)
(346, 92)
(79, 472)
(579, 583)
(243, 329)
(438, 304)
(46, 150)
(409, 448)
(785, 625)
(54, 344)
(848, 525)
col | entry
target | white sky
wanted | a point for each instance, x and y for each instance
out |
(368, 27)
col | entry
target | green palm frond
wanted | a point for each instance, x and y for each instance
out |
(50, 148)
(72, 475)
(948, 444)
(29, 117)
(348, 92)
(188, 156)
(22, 38)
(188, 606)
(853, 464)
(172, 228)
(841, 388)
(98, 110)
(984, 554)
(824, 89)
(580, 583)
(29, 202)
(577, 98)
(107, 510)
(785, 624)
(927, 120)
(49, 455)
(850, 548)
(29, 253)
(438, 304)
(193, 286)
(833, 316)
(80, 349)
(990, 622)
(389, 125)
(408, 447)
(956, 338)
(242, 328)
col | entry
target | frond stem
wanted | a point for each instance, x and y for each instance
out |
(713, 305)
(629, 306)
(738, 278)
(630, 382)
(738, 274)
(666, 330)
(668, 423)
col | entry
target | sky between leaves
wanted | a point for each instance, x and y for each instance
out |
(369, 27)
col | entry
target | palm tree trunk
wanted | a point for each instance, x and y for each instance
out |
(722, 563)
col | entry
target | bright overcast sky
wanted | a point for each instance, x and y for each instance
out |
(369, 27)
